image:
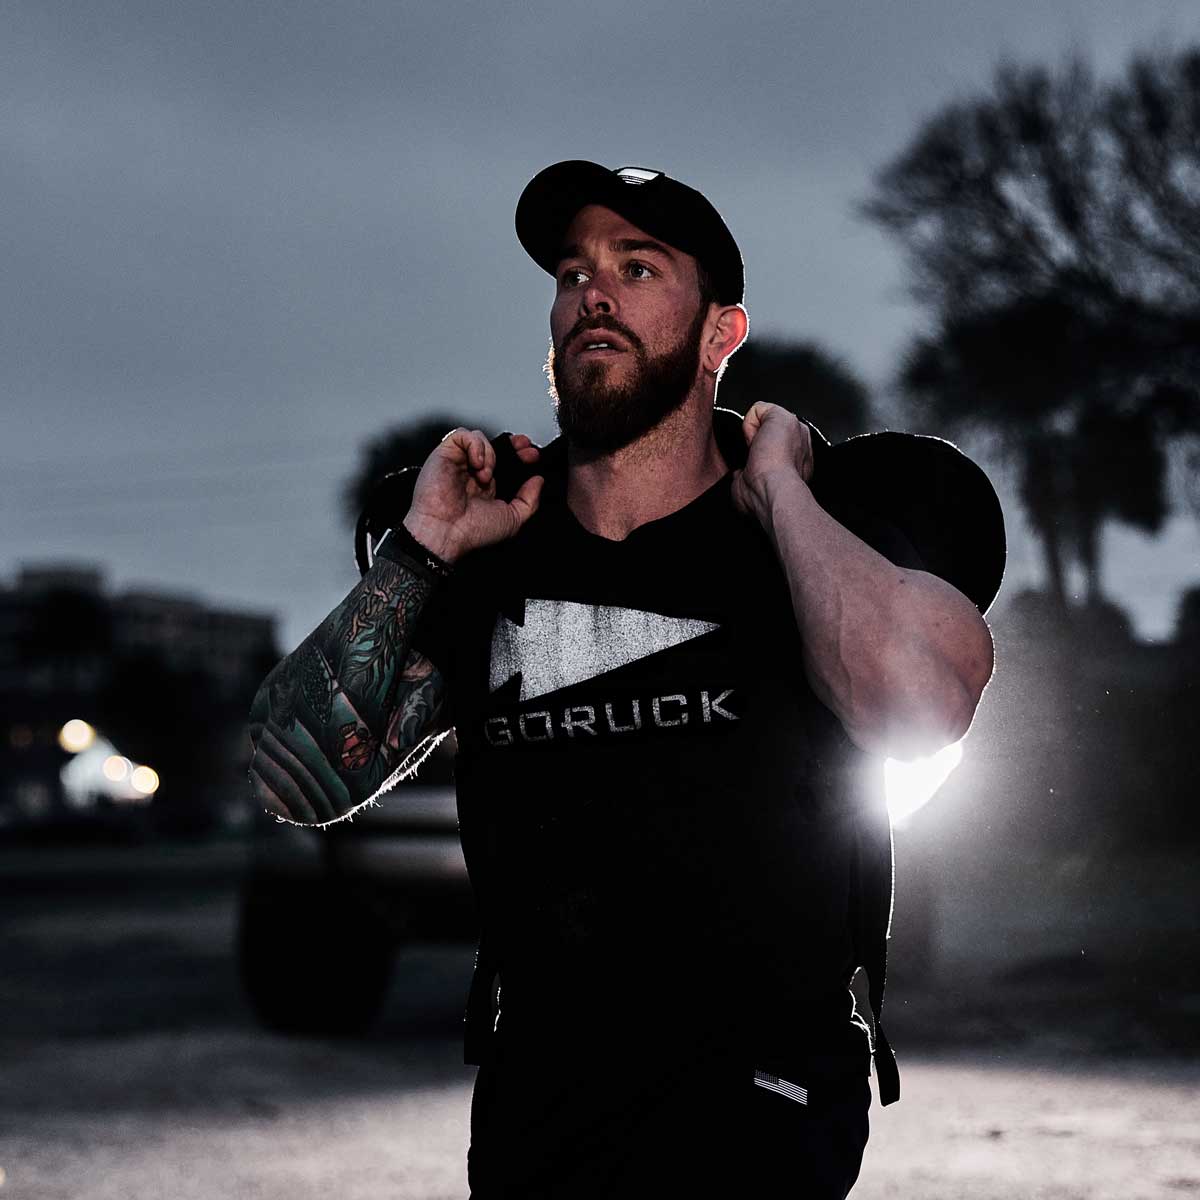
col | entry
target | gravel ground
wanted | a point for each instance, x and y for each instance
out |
(234, 1115)
(241, 1115)
(131, 1068)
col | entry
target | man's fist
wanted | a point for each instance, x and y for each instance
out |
(779, 443)
(454, 508)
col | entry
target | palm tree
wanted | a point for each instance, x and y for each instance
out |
(1053, 230)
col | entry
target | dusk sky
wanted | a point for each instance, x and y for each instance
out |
(242, 238)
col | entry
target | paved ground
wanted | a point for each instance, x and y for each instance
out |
(132, 1069)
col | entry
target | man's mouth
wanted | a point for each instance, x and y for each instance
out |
(598, 344)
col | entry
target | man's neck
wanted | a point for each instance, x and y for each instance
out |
(660, 473)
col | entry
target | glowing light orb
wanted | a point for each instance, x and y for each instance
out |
(911, 785)
(76, 735)
(116, 767)
(144, 780)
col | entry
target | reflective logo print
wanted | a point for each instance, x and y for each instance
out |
(563, 643)
(609, 718)
(783, 1087)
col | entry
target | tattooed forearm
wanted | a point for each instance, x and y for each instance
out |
(338, 715)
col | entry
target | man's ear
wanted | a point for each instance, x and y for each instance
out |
(727, 332)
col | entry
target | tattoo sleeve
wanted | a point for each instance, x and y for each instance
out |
(354, 708)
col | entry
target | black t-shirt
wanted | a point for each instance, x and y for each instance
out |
(658, 815)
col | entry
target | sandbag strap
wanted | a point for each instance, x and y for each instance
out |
(480, 1018)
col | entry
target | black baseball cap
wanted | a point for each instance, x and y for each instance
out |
(665, 208)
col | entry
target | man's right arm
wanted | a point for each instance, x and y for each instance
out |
(351, 710)
(341, 716)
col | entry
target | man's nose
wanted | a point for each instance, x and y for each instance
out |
(596, 298)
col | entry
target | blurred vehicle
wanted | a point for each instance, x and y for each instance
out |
(324, 913)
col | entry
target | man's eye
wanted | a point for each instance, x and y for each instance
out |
(639, 266)
(571, 276)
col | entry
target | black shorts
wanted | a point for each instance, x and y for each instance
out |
(560, 1127)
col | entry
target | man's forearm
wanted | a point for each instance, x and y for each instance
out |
(900, 656)
(338, 715)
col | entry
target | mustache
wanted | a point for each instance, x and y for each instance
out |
(596, 323)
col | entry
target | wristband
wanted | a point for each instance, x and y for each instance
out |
(421, 555)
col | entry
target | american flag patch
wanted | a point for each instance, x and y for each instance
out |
(784, 1088)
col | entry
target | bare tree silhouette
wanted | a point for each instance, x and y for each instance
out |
(1053, 228)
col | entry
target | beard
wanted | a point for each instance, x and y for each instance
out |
(600, 418)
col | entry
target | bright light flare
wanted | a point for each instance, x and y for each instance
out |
(144, 780)
(911, 785)
(101, 773)
(76, 735)
(116, 767)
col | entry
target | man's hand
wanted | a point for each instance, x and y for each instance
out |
(780, 447)
(454, 508)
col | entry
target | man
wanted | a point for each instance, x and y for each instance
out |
(669, 669)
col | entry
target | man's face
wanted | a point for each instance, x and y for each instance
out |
(618, 286)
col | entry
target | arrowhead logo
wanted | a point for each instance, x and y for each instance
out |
(562, 643)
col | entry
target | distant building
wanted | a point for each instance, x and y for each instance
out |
(187, 633)
(64, 637)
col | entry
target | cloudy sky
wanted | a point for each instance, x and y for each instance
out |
(241, 238)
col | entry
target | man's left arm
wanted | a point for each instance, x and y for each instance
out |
(899, 656)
